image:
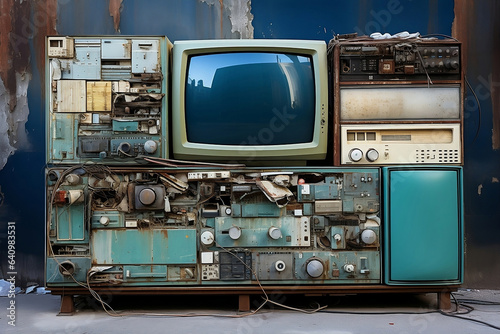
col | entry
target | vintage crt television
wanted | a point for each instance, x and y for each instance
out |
(250, 100)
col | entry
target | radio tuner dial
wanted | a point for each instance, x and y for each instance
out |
(355, 154)
(372, 155)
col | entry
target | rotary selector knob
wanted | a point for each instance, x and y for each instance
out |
(355, 154)
(372, 155)
(315, 268)
(228, 211)
(274, 233)
(147, 196)
(234, 232)
(280, 266)
(368, 236)
(104, 220)
(150, 146)
(207, 238)
(349, 268)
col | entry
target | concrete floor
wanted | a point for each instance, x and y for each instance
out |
(398, 314)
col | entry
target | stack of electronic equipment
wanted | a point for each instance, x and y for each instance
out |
(214, 166)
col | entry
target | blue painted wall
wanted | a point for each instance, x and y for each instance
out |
(22, 178)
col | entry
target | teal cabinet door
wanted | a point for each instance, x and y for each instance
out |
(423, 225)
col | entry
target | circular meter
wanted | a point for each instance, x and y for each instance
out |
(355, 154)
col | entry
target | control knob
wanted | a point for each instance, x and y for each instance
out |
(372, 155)
(234, 232)
(279, 266)
(315, 268)
(207, 238)
(147, 196)
(355, 154)
(349, 268)
(368, 236)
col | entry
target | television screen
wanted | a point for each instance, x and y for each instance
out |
(250, 98)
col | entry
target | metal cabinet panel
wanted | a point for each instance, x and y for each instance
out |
(131, 246)
(145, 56)
(115, 49)
(423, 225)
(87, 61)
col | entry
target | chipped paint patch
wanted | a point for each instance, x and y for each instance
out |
(479, 189)
(13, 135)
(115, 8)
(494, 180)
(239, 14)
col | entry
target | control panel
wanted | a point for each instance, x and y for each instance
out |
(203, 227)
(106, 99)
(400, 59)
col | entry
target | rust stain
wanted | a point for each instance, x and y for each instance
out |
(15, 30)
(221, 18)
(115, 7)
(17, 27)
(466, 28)
(45, 27)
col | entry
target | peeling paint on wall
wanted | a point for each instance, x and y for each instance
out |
(115, 8)
(239, 15)
(479, 189)
(494, 180)
(20, 22)
(12, 123)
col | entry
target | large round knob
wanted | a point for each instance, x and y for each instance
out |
(355, 154)
(368, 236)
(150, 146)
(147, 196)
(372, 155)
(315, 268)
(207, 238)
(234, 232)
(274, 233)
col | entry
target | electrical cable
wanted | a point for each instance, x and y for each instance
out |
(478, 109)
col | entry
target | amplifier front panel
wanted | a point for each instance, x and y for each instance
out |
(385, 144)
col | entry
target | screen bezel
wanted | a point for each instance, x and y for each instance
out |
(313, 150)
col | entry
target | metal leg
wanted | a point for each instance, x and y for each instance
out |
(244, 303)
(67, 305)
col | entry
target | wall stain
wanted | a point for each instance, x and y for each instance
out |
(115, 8)
(20, 23)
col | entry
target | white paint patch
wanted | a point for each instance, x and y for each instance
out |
(241, 17)
(494, 180)
(239, 13)
(479, 189)
(13, 135)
